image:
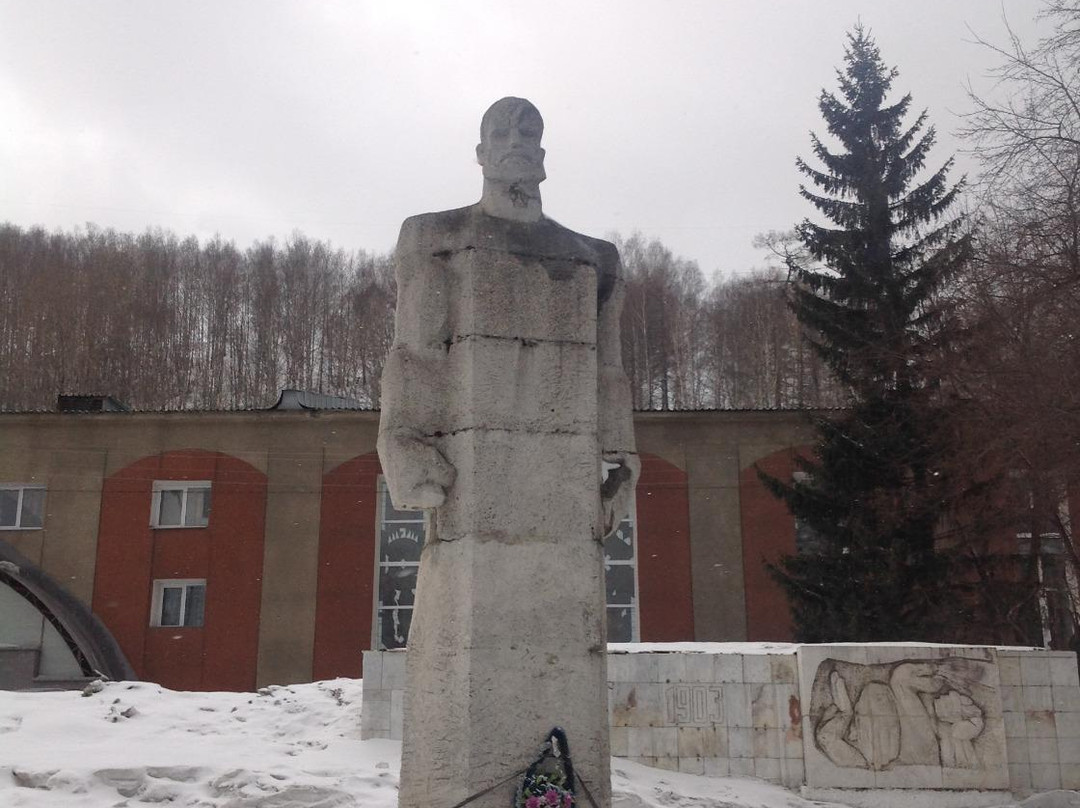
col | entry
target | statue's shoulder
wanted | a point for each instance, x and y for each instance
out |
(602, 254)
(435, 232)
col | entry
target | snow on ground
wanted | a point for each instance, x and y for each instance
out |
(132, 744)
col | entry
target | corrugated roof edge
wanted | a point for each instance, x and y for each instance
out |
(171, 411)
(292, 399)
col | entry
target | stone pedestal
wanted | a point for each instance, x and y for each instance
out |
(494, 670)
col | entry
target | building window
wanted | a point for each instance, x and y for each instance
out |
(178, 603)
(1048, 518)
(180, 504)
(1059, 589)
(620, 574)
(22, 507)
(807, 539)
(401, 536)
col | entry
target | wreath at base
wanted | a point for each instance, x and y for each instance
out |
(544, 791)
(549, 781)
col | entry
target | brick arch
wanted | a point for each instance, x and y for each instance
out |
(677, 459)
(768, 532)
(664, 576)
(344, 591)
(228, 553)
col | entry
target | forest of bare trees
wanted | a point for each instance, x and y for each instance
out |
(159, 321)
(729, 344)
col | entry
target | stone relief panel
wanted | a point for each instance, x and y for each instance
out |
(920, 712)
(929, 721)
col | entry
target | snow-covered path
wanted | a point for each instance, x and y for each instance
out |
(136, 744)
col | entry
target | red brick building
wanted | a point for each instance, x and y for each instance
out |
(227, 550)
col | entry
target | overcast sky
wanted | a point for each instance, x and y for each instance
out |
(339, 119)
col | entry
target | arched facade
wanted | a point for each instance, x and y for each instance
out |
(345, 594)
(768, 533)
(150, 569)
(663, 552)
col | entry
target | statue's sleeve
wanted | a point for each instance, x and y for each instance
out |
(414, 379)
(615, 416)
(615, 422)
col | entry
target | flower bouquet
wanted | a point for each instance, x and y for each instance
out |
(544, 790)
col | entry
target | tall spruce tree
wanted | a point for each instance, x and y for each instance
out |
(875, 489)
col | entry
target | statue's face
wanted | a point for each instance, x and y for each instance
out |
(509, 147)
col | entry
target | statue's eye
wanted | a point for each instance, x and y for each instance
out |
(530, 133)
(501, 134)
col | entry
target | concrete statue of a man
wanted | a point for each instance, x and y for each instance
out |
(502, 394)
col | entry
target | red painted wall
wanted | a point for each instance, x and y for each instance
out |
(347, 546)
(228, 553)
(663, 517)
(768, 532)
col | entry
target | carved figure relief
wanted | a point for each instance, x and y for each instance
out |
(910, 713)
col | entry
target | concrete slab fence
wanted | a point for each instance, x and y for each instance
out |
(894, 718)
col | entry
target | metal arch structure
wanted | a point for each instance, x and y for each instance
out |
(93, 646)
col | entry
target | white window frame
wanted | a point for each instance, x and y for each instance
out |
(160, 585)
(22, 488)
(184, 486)
(382, 493)
(1063, 535)
(1040, 571)
(635, 602)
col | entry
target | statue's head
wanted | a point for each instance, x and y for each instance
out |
(509, 148)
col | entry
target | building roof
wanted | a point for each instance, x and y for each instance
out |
(309, 400)
(293, 400)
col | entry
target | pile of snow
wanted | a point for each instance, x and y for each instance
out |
(124, 745)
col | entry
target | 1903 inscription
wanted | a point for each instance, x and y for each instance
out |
(690, 705)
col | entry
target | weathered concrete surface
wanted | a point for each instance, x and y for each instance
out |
(503, 390)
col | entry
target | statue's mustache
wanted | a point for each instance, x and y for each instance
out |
(529, 156)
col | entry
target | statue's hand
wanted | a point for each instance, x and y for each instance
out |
(617, 490)
(416, 472)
